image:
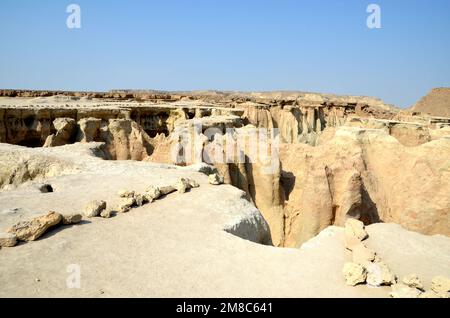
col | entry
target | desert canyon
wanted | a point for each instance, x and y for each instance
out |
(351, 198)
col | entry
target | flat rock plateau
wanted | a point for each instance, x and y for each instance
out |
(99, 198)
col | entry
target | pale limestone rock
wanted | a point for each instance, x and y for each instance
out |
(354, 233)
(413, 281)
(32, 230)
(362, 255)
(379, 274)
(152, 193)
(192, 183)
(125, 205)
(354, 274)
(215, 179)
(182, 185)
(106, 214)
(65, 131)
(440, 284)
(7, 240)
(432, 294)
(126, 194)
(404, 291)
(71, 218)
(356, 228)
(139, 200)
(94, 208)
(167, 190)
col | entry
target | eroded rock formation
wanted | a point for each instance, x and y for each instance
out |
(339, 157)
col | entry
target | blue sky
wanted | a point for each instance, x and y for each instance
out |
(321, 46)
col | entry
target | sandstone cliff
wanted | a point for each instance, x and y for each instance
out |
(369, 175)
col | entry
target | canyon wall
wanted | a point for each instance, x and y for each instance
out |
(368, 175)
(335, 159)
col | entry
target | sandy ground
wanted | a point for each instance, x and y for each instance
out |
(178, 246)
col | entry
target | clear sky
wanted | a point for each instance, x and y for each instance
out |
(320, 46)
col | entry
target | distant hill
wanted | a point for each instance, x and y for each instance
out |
(436, 103)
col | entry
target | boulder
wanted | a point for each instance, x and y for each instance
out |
(167, 190)
(404, 291)
(7, 240)
(182, 185)
(432, 294)
(362, 255)
(65, 132)
(106, 214)
(71, 219)
(94, 208)
(412, 281)
(125, 205)
(354, 274)
(356, 228)
(32, 230)
(192, 183)
(440, 284)
(126, 194)
(354, 233)
(152, 193)
(379, 274)
(139, 200)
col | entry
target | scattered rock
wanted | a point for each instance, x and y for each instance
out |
(167, 190)
(94, 208)
(440, 284)
(72, 219)
(182, 185)
(362, 255)
(404, 291)
(192, 183)
(139, 200)
(215, 179)
(106, 214)
(432, 294)
(354, 274)
(32, 230)
(379, 274)
(7, 240)
(126, 194)
(125, 205)
(412, 281)
(354, 233)
(152, 193)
